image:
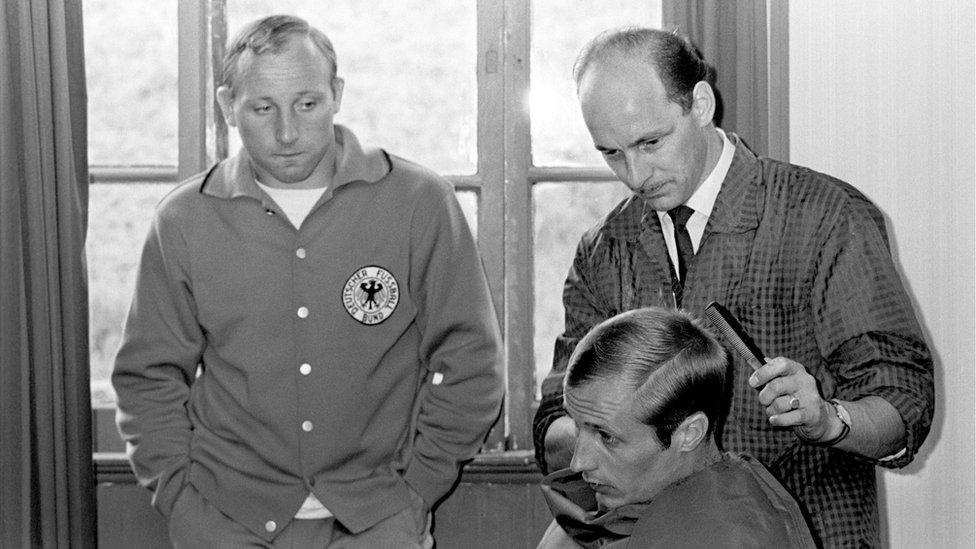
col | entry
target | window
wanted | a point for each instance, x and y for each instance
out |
(131, 66)
(479, 90)
(571, 187)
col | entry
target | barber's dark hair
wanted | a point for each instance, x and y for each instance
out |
(270, 34)
(679, 64)
(675, 366)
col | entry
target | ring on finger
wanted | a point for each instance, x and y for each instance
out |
(794, 402)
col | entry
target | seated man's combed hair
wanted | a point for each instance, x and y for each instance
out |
(647, 391)
(673, 363)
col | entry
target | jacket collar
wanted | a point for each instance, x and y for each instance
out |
(573, 504)
(235, 178)
(738, 204)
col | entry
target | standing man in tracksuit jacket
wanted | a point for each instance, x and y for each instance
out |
(311, 352)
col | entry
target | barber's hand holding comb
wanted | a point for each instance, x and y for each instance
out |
(790, 394)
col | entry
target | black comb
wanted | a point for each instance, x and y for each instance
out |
(729, 326)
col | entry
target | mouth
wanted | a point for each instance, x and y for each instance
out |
(649, 190)
(599, 487)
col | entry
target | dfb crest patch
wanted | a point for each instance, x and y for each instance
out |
(371, 295)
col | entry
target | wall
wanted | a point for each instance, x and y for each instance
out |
(881, 95)
(506, 514)
(497, 503)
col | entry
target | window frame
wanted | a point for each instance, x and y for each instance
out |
(503, 181)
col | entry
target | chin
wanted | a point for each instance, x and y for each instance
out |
(292, 177)
(663, 203)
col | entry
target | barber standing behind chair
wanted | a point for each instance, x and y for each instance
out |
(801, 258)
(645, 390)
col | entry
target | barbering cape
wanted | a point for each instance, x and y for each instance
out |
(734, 503)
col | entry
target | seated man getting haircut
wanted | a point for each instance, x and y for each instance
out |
(645, 389)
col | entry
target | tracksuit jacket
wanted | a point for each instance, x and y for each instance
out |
(357, 357)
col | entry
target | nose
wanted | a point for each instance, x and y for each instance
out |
(639, 169)
(286, 130)
(583, 458)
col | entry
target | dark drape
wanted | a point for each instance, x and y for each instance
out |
(46, 479)
(745, 41)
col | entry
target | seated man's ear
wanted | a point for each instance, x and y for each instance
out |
(691, 433)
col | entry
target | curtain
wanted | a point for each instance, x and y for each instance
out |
(746, 42)
(46, 477)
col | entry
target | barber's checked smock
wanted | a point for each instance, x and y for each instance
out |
(802, 260)
(355, 358)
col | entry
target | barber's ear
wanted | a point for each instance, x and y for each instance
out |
(691, 433)
(225, 98)
(703, 103)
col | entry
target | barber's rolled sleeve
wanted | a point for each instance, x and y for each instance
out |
(866, 324)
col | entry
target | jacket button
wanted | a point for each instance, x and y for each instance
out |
(271, 526)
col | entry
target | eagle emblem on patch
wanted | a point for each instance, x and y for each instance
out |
(371, 295)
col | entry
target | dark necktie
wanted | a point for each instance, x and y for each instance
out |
(686, 252)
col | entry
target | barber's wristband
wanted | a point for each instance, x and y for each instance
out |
(845, 421)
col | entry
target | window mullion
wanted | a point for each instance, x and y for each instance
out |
(218, 46)
(518, 234)
(491, 170)
(193, 87)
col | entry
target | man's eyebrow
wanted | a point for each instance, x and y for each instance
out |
(597, 426)
(601, 426)
(298, 94)
(651, 135)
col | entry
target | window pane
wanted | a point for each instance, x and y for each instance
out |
(130, 64)
(409, 68)
(562, 212)
(118, 219)
(559, 136)
(469, 204)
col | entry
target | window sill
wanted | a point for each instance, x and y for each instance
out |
(512, 467)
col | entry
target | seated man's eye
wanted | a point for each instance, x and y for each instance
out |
(607, 438)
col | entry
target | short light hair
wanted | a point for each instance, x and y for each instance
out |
(679, 65)
(269, 35)
(675, 366)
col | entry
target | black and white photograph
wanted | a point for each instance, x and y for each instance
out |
(487, 274)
